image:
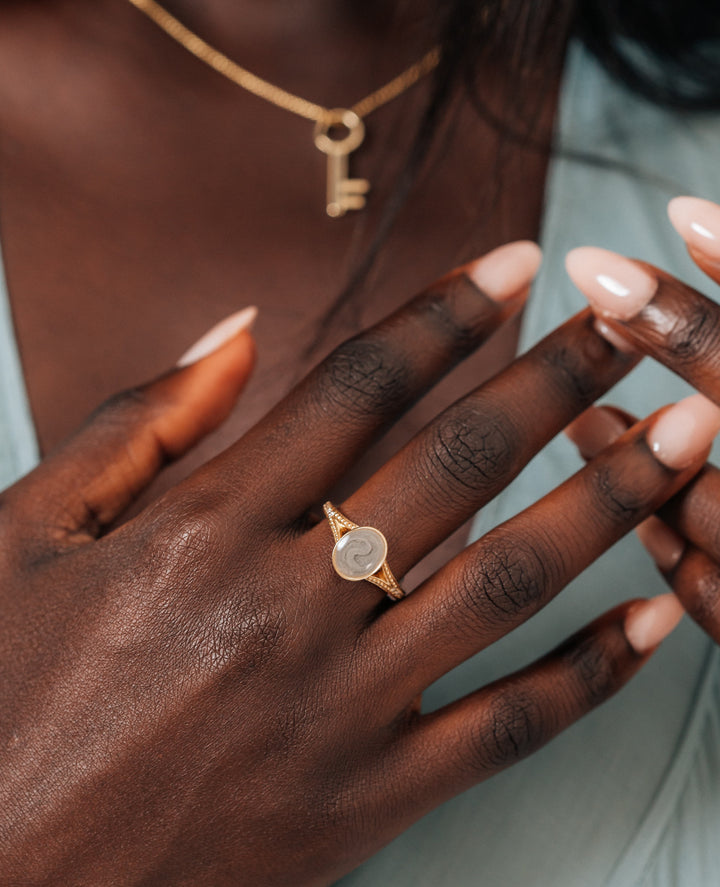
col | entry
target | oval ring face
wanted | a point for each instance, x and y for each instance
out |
(359, 553)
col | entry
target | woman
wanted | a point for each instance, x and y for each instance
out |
(193, 694)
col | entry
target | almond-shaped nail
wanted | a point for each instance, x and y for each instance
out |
(662, 543)
(220, 334)
(614, 286)
(594, 430)
(647, 623)
(683, 432)
(507, 271)
(698, 223)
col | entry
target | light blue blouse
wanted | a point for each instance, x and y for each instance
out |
(630, 796)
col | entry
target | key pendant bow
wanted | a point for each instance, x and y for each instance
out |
(343, 193)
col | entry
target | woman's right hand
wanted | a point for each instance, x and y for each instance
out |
(644, 310)
(196, 697)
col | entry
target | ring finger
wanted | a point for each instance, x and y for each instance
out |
(513, 571)
(472, 451)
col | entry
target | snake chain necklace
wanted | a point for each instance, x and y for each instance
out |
(338, 131)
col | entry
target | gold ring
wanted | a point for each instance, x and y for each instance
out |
(360, 553)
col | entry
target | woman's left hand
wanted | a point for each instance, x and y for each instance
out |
(640, 308)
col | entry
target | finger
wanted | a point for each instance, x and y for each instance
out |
(320, 430)
(683, 540)
(465, 457)
(653, 313)
(493, 728)
(90, 480)
(698, 223)
(517, 568)
(597, 428)
(692, 514)
(692, 574)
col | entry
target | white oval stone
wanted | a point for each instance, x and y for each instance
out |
(359, 553)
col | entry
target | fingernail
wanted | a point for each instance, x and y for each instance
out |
(620, 343)
(594, 430)
(698, 223)
(219, 335)
(683, 432)
(663, 544)
(614, 286)
(506, 271)
(649, 622)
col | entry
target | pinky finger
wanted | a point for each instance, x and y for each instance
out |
(692, 574)
(687, 559)
(495, 727)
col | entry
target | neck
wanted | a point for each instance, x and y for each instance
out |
(332, 51)
(284, 18)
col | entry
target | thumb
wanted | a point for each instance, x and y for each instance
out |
(95, 475)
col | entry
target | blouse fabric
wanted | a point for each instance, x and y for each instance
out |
(629, 796)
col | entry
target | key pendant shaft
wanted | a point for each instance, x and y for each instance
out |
(343, 193)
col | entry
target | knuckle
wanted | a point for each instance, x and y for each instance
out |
(511, 727)
(694, 333)
(193, 540)
(703, 603)
(241, 634)
(186, 540)
(118, 407)
(613, 496)
(195, 587)
(508, 579)
(596, 671)
(365, 374)
(573, 370)
(437, 308)
(473, 448)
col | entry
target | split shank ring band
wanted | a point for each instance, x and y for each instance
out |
(360, 553)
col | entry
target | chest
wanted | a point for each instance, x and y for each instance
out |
(136, 212)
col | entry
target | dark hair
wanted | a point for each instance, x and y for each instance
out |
(666, 50)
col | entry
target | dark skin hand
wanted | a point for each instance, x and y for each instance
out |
(197, 688)
(680, 328)
(191, 689)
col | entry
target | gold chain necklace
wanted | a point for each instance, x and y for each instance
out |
(343, 193)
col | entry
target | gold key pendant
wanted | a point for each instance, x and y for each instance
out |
(343, 194)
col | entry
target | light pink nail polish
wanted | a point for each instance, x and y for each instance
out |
(219, 335)
(615, 286)
(594, 430)
(650, 622)
(698, 223)
(506, 271)
(683, 432)
(663, 544)
(620, 343)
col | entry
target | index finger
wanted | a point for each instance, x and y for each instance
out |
(641, 308)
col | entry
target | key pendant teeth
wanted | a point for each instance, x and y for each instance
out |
(343, 193)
